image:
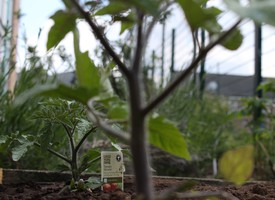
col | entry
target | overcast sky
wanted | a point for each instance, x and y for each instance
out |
(37, 12)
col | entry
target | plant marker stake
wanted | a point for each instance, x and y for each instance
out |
(1, 176)
(112, 169)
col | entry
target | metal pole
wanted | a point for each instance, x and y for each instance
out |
(162, 55)
(202, 71)
(153, 65)
(172, 69)
(258, 60)
(258, 69)
(195, 36)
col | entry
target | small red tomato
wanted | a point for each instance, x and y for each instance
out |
(113, 186)
(107, 187)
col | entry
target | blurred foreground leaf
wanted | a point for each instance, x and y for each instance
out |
(237, 165)
(78, 94)
(259, 11)
(64, 22)
(205, 18)
(86, 71)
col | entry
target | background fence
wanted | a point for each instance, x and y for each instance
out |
(230, 73)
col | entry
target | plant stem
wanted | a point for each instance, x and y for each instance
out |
(138, 143)
(74, 167)
(122, 136)
(138, 140)
(84, 138)
(70, 135)
(55, 153)
(184, 74)
(103, 40)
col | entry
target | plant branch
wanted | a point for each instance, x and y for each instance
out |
(84, 138)
(103, 40)
(154, 21)
(69, 134)
(124, 137)
(184, 74)
(84, 167)
(74, 127)
(55, 153)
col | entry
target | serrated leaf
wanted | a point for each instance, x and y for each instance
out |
(237, 165)
(86, 71)
(203, 18)
(19, 150)
(88, 159)
(3, 139)
(259, 11)
(166, 136)
(64, 22)
(46, 137)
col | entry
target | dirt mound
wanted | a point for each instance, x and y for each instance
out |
(54, 191)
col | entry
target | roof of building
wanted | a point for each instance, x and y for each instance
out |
(225, 85)
(232, 85)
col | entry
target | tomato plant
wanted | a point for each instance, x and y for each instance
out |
(133, 121)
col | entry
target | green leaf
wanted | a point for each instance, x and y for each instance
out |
(93, 182)
(166, 136)
(64, 22)
(234, 41)
(119, 6)
(125, 26)
(46, 136)
(237, 165)
(113, 8)
(19, 150)
(68, 4)
(259, 11)
(148, 6)
(3, 139)
(119, 112)
(127, 22)
(79, 94)
(89, 158)
(86, 71)
(204, 17)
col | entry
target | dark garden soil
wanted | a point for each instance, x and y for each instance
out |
(50, 190)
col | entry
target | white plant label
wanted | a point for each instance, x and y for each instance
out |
(112, 170)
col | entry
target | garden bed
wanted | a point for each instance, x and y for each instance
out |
(28, 184)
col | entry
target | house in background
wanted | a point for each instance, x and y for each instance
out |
(231, 86)
(9, 18)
